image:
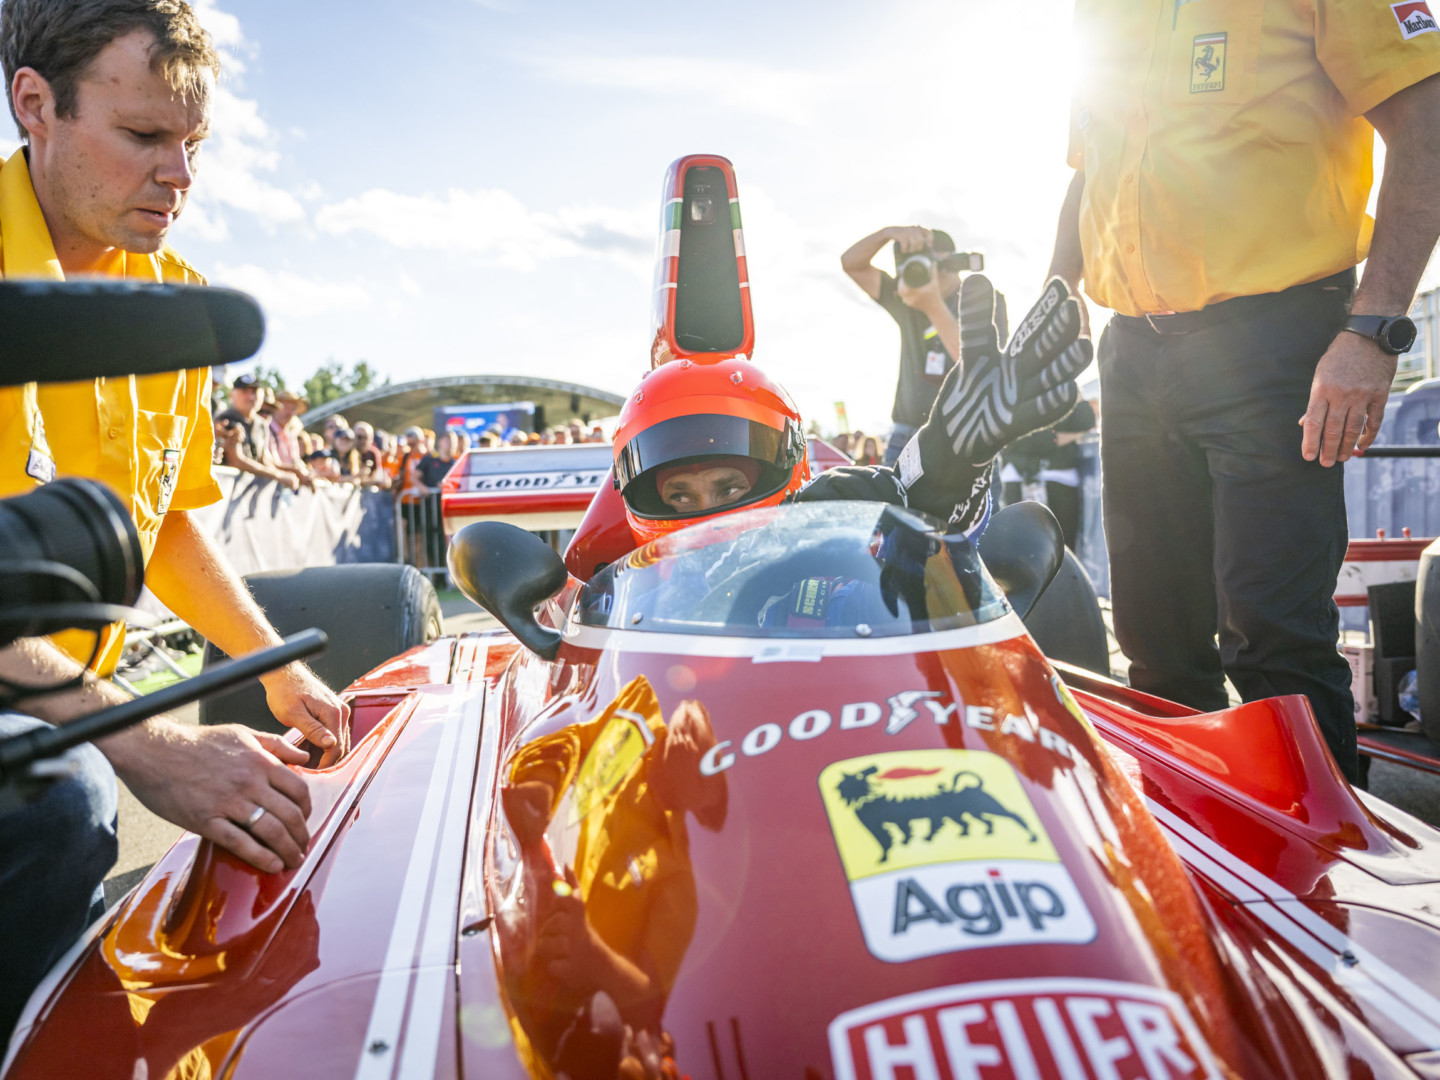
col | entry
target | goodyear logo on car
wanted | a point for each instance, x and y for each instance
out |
(944, 852)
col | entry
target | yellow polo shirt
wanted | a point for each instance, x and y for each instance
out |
(1223, 141)
(147, 437)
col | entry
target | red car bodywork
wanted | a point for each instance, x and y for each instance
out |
(1231, 907)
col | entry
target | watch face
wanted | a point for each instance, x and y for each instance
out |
(1399, 334)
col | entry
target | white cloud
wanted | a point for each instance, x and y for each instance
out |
(237, 160)
(285, 294)
(223, 27)
(779, 93)
(493, 224)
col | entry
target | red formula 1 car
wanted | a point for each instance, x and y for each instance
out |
(906, 846)
(791, 793)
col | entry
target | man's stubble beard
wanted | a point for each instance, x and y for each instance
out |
(90, 219)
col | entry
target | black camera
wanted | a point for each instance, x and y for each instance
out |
(72, 559)
(915, 269)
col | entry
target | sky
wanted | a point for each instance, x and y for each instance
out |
(473, 186)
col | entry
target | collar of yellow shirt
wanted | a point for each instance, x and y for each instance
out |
(26, 250)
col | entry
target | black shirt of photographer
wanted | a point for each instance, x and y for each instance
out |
(924, 360)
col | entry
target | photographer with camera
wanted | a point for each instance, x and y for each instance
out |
(923, 302)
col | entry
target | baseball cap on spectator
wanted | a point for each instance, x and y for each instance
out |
(413, 433)
(248, 381)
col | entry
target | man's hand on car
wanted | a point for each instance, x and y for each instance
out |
(300, 700)
(1347, 399)
(211, 781)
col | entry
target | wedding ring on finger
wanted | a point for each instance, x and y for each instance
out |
(255, 816)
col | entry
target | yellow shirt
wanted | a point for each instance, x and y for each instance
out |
(147, 437)
(1223, 141)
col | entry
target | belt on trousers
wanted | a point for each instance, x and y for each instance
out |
(1188, 322)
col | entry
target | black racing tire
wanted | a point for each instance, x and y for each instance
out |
(1066, 622)
(371, 612)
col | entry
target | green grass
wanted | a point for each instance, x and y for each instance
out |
(164, 677)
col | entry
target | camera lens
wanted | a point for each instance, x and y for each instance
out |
(915, 270)
(79, 524)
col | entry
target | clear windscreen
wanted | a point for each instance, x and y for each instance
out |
(828, 569)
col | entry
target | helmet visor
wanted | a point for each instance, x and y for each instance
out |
(692, 440)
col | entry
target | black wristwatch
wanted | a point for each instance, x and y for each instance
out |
(1394, 335)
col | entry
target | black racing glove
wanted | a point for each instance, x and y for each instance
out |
(989, 400)
(994, 396)
(857, 483)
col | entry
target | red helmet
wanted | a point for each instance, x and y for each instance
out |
(690, 414)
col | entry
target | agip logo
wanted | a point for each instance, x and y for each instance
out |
(944, 852)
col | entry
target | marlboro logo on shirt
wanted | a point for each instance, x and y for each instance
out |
(1414, 18)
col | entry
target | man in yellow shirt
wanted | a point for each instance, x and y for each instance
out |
(112, 99)
(1222, 151)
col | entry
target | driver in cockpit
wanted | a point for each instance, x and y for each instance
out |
(699, 439)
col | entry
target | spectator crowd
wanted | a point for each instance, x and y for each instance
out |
(259, 430)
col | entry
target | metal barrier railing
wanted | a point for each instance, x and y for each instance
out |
(420, 535)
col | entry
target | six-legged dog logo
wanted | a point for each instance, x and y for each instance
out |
(879, 812)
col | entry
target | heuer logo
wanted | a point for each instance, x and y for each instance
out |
(944, 852)
(1041, 1029)
(1414, 18)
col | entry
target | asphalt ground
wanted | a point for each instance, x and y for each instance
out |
(145, 837)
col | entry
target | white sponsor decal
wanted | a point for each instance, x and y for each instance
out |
(898, 712)
(954, 906)
(40, 467)
(1414, 18)
(539, 481)
(1035, 1029)
(911, 467)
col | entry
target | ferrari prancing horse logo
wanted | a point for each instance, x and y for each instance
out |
(1207, 64)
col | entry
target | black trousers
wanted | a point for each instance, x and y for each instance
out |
(1064, 503)
(1214, 521)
